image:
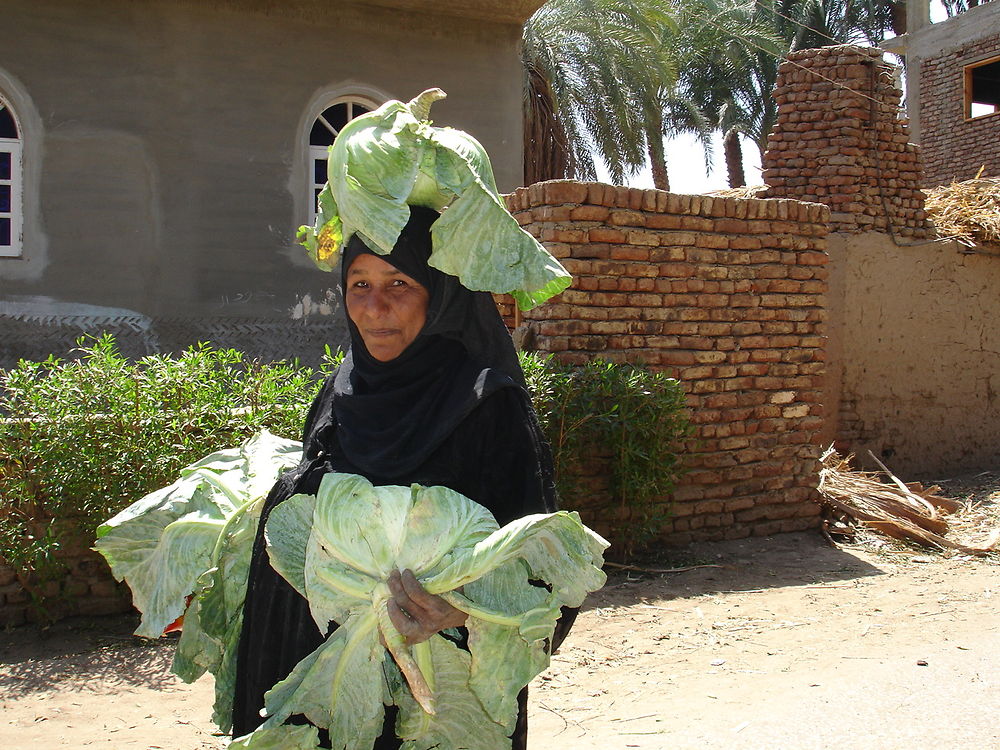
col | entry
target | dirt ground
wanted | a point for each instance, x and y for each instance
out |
(783, 642)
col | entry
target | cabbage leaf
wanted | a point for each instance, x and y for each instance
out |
(384, 161)
(339, 547)
(191, 542)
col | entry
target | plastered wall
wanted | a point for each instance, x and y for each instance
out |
(166, 170)
(914, 355)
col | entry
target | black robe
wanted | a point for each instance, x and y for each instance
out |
(496, 456)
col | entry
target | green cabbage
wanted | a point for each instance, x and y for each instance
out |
(192, 541)
(195, 538)
(337, 549)
(384, 161)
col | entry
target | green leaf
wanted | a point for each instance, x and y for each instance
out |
(196, 537)
(460, 720)
(338, 686)
(161, 553)
(289, 526)
(506, 258)
(295, 737)
(501, 654)
(384, 161)
(359, 534)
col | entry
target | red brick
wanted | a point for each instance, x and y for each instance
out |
(564, 191)
(607, 234)
(812, 259)
(589, 213)
(629, 252)
(663, 221)
(637, 237)
(627, 218)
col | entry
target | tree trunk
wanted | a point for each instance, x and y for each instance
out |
(546, 156)
(658, 164)
(897, 17)
(734, 159)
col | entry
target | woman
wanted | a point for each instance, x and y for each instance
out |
(430, 392)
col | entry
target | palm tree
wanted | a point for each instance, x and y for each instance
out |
(734, 83)
(726, 67)
(616, 77)
(954, 7)
(598, 80)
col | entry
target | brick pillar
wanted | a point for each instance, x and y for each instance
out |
(839, 141)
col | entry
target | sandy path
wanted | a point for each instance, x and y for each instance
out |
(792, 644)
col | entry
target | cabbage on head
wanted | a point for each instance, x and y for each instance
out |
(387, 160)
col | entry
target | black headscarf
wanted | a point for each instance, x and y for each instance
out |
(390, 416)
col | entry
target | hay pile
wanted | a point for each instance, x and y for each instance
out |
(747, 191)
(968, 212)
(903, 511)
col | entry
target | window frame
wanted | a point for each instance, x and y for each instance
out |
(967, 98)
(320, 153)
(15, 147)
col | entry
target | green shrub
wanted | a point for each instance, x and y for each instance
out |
(82, 439)
(620, 421)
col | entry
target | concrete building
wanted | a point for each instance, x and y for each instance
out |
(953, 90)
(157, 156)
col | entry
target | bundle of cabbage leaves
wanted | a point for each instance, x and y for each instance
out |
(337, 548)
(383, 162)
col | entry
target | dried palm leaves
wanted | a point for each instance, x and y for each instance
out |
(967, 212)
(747, 191)
(902, 511)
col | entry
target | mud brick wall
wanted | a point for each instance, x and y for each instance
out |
(86, 587)
(839, 141)
(725, 294)
(955, 148)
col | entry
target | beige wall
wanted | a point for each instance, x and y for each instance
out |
(914, 354)
(167, 141)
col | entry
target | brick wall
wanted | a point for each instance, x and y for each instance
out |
(838, 141)
(725, 294)
(955, 148)
(86, 588)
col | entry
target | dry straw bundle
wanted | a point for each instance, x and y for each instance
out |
(902, 511)
(747, 191)
(967, 212)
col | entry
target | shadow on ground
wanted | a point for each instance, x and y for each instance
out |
(78, 652)
(760, 563)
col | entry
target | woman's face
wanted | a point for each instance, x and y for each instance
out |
(387, 306)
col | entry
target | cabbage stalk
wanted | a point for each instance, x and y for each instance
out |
(387, 160)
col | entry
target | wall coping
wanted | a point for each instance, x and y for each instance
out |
(559, 192)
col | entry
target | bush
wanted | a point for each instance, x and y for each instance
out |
(626, 421)
(82, 439)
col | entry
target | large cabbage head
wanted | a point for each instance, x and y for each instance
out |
(383, 162)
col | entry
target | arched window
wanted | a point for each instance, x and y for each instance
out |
(324, 130)
(10, 183)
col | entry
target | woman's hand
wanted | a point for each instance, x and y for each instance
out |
(416, 614)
